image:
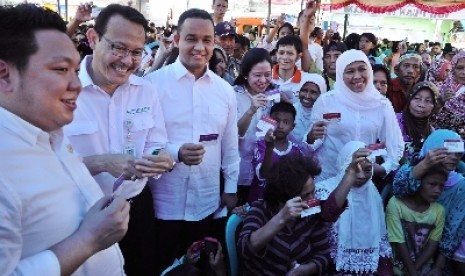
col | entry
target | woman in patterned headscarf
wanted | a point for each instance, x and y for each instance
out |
(452, 115)
(439, 71)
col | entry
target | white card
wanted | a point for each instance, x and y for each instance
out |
(454, 145)
(264, 124)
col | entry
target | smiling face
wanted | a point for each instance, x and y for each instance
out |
(287, 57)
(46, 90)
(422, 104)
(109, 70)
(220, 67)
(356, 76)
(259, 77)
(196, 43)
(308, 94)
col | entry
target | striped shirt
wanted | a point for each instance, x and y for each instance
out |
(305, 241)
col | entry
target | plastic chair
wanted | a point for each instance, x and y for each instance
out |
(231, 226)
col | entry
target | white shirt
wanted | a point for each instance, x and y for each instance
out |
(302, 122)
(102, 122)
(46, 192)
(316, 52)
(192, 108)
(247, 143)
(355, 125)
(292, 85)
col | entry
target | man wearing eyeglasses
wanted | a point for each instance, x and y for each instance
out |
(119, 123)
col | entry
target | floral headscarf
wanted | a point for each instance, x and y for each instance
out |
(437, 71)
(450, 84)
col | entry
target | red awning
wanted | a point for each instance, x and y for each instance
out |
(383, 6)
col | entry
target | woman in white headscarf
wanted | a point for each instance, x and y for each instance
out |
(313, 85)
(358, 239)
(354, 111)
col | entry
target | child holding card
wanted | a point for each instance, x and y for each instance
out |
(443, 148)
(274, 145)
(358, 239)
(415, 223)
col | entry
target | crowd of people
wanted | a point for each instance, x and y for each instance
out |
(340, 156)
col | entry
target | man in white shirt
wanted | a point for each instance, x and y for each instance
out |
(55, 219)
(200, 115)
(119, 123)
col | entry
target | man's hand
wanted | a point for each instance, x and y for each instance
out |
(229, 200)
(103, 226)
(191, 154)
(117, 164)
(151, 165)
(318, 132)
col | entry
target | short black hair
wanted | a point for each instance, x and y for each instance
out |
(315, 31)
(290, 40)
(381, 67)
(436, 170)
(215, 1)
(284, 107)
(126, 12)
(250, 59)
(18, 25)
(194, 13)
(288, 177)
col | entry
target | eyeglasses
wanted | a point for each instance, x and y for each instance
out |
(123, 52)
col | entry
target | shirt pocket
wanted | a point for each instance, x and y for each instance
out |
(81, 128)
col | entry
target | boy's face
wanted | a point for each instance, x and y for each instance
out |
(431, 187)
(287, 56)
(285, 124)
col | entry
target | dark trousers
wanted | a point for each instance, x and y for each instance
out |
(173, 238)
(138, 246)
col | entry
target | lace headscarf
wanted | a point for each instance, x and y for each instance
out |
(359, 236)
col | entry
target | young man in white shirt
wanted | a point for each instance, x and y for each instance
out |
(200, 112)
(119, 123)
(55, 218)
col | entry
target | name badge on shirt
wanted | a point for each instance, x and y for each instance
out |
(130, 148)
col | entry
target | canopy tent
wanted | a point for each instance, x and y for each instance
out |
(384, 6)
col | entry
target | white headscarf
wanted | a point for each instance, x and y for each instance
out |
(368, 98)
(359, 235)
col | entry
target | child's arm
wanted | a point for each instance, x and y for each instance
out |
(426, 254)
(265, 169)
(404, 255)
